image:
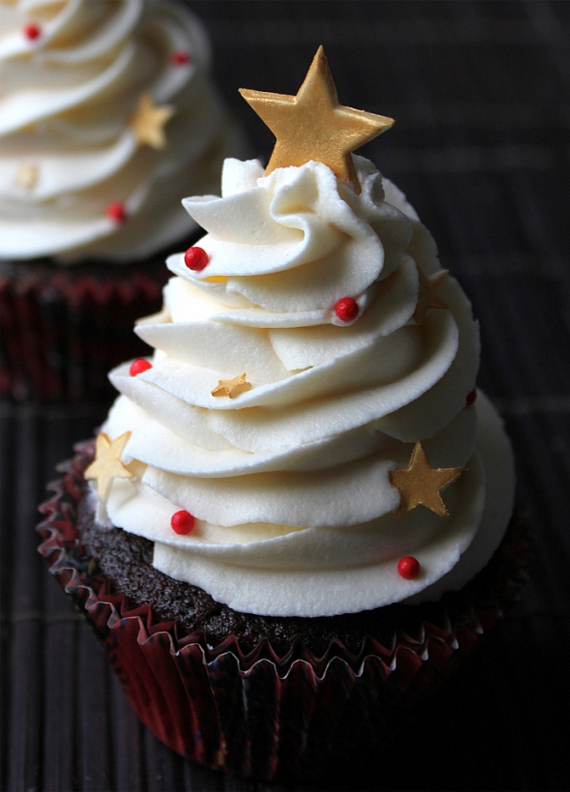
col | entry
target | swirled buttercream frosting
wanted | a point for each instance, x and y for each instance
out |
(288, 479)
(107, 119)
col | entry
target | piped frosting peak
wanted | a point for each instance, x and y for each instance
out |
(289, 479)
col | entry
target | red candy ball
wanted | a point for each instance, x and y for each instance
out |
(32, 31)
(471, 396)
(196, 258)
(182, 522)
(180, 58)
(346, 309)
(117, 212)
(409, 567)
(138, 366)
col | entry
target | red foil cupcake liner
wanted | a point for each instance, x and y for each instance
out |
(259, 715)
(61, 331)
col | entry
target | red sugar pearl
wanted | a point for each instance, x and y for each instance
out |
(138, 366)
(409, 567)
(346, 309)
(471, 397)
(32, 31)
(182, 522)
(196, 258)
(180, 58)
(117, 212)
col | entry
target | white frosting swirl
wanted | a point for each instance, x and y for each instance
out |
(289, 481)
(67, 146)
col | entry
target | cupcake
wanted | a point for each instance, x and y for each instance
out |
(108, 119)
(294, 519)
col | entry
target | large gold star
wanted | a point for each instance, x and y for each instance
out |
(313, 125)
(107, 465)
(420, 483)
(148, 122)
(427, 294)
(232, 387)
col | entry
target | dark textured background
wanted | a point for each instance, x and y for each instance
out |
(481, 95)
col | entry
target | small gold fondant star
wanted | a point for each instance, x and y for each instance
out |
(421, 484)
(27, 176)
(427, 294)
(107, 464)
(232, 387)
(148, 122)
(313, 125)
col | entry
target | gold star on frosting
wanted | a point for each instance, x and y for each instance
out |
(148, 122)
(313, 125)
(427, 294)
(107, 465)
(420, 483)
(27, 176)
(232, 387)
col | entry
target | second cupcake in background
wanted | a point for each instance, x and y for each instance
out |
(108, 119)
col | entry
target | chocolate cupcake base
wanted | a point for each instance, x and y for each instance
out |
(260, 697)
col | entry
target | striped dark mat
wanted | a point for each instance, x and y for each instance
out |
(481, 94)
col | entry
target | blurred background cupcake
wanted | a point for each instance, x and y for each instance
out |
(108, 119)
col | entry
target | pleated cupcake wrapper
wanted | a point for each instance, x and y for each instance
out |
(260, 715)
(62, 331)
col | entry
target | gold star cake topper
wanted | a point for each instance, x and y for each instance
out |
(313, 125)
(427, 294)
(149, 120)
(420, 484)
(107, 465)
(232, 387)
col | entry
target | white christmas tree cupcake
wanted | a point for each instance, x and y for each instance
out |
(295, 500)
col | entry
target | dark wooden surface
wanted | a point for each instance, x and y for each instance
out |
(481, 95)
